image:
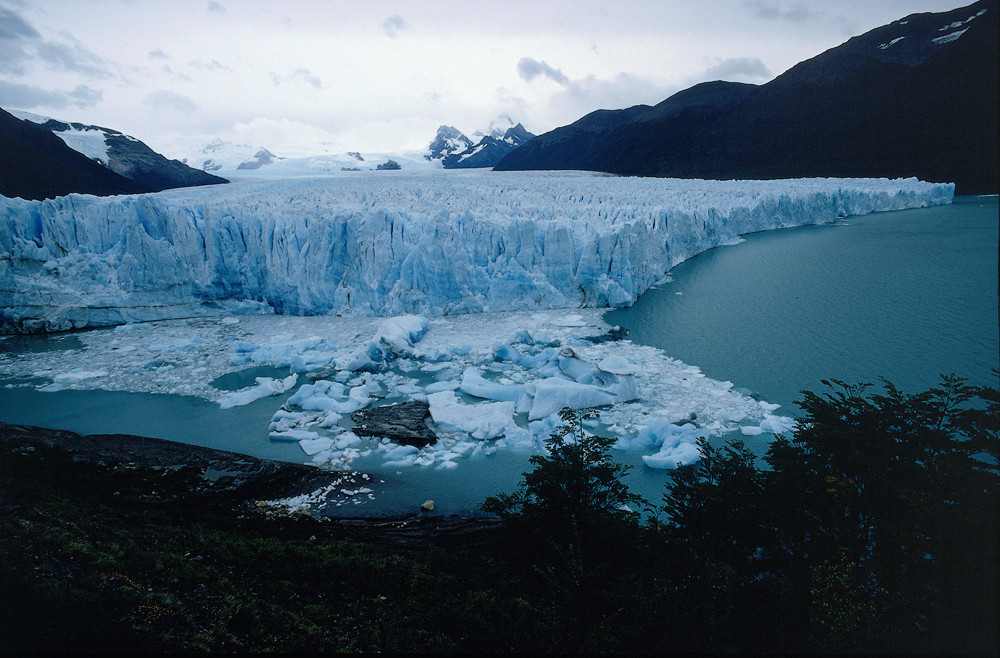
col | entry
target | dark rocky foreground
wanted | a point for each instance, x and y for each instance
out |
(230, 482)
(115, 543)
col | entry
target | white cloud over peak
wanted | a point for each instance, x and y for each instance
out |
(22, 96)
(170, 100)
(529, 69)
(393, 25)
(738, 69)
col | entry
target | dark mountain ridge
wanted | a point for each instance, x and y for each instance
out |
(917, 97)
(37, 164)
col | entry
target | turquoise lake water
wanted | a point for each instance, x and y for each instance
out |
(903, 295)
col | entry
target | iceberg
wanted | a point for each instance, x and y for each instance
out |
(429, 244)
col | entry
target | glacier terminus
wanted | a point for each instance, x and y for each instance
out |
(390, 243)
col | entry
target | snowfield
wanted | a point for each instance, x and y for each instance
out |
(390, 243)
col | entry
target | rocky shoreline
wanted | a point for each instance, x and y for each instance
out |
(230, 481)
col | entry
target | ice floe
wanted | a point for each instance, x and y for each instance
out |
(492, 381)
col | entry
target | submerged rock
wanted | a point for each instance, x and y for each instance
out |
(405, 422)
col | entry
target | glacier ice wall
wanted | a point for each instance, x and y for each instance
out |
(391, 244)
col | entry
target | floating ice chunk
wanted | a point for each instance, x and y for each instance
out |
(278, 353)
(507, 352)
(325, 395)
(437, 387)
(294, 435)
(476, 385)
(574, 367)
(266, 387)
(486, 420)
(678, 444)
(400, 456)
(778, 424)
(400, 452)
(76, 375)
(522, 336)
(312, 360)
(346, 440)
(553, 394)
(394, 338)
(618, 365)
(314, 446)
(400, 333)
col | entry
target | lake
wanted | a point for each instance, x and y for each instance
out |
(903, 295)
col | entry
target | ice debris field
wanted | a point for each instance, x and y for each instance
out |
(479, 295)
(492, 381)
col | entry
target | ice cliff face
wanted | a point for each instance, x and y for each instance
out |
(390, 244)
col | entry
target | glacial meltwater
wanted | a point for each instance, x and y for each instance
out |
(906, 295)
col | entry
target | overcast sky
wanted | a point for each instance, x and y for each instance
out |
(307, 76)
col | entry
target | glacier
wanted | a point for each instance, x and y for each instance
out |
(391, 243)
(481, 294)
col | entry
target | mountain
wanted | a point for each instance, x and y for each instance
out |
(447, 141)
(124, 155)
(596, 141)
(35, 165)
(490, 149)
(917, 97)
(456, 151)
(220, 155)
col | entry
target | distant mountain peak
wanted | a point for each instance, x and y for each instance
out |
(504, 137)
(447, 141)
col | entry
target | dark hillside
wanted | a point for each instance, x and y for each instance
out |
(917, 97)
(35, 164)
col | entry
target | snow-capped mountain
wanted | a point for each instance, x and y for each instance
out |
(220, 155)
(456, 151)
(35, 164)
(123, 154)
(449, 140)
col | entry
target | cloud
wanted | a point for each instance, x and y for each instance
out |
(623, 90)
(394, 25)
(14, 94)
(798, 13)
(213, 65)
(14, 28)
(738, 68)
(171, 100)
(21, 45)
(292, 138)
(158, 54)
(72, 57)
(298, 75)
(215, 6)
(529, 69)
(306, 76)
